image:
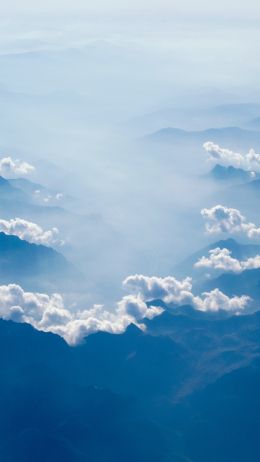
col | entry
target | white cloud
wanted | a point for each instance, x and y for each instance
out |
(48, 314)
(14, 168)
(29, 231)
(221, 259)
(249, 162)
(168, 289)
(216, 300)
(221, 219)
(172, 291)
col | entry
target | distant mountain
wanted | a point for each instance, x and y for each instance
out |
(35, 267)
(38, 194)
(196, 119)
(230, 173)
(181, 391)
(10, 192)
(254, 124)
(245, 283)
(243, 195)
(234, 137)
(239, 251)
(15, 203)
(249, 187)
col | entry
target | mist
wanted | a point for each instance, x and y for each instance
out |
(80, 94)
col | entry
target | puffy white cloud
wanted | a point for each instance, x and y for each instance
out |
(48, 314)
(221, 219)
(29, 231)
(216, 300)
(249, 162)
(14, 168)
(168, 289)
(172, 291)
(221, 259)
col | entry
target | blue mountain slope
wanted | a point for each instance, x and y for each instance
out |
(245, 283)
(235, 137)
(34, 266)
(220, 173)
(38, 194)
(136, 396)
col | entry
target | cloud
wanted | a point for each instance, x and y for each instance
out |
(221, 259)
(221, 219)
(48, 314)
(13, 168)
(29, 231)
(216, 300)
(249, 162)
(172, 291)
(168, 289)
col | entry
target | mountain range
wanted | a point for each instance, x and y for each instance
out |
(184, 390)
(35, 267)
(235, 137)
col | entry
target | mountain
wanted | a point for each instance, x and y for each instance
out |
(180, 391)
(254, 124)
(235, 137)
(8, 191)
(38, 194)
(230, 173)
(245, 283)
(35, 267)
(239, 251)
(196, 118)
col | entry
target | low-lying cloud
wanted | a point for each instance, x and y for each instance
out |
(48, 313)
(250, 162)
(14, 168)
(220, 219)
(30, 232)
(172, 291)
(222, 260)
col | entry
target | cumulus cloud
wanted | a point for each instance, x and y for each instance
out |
(172, 291)
(249, 162)
(221, 219)
(221, 259)
(14, 168)
(29, 231)
(168, 289)
(48, 314)
(216, 300)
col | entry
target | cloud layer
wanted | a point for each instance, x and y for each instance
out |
(221, 219)
(29, 231)
(49, 314)
(14, 168)
(221, 259)
(172, 291)
(249, 162)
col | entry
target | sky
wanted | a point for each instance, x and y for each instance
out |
(220, 9)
